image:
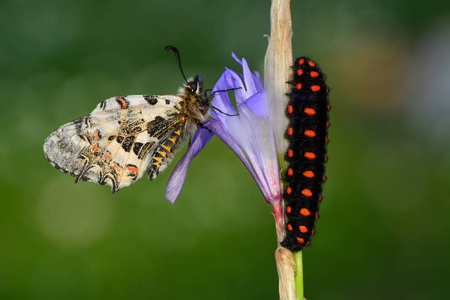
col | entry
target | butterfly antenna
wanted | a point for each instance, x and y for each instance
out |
(177, 55)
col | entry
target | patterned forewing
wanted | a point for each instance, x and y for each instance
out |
(115, 144)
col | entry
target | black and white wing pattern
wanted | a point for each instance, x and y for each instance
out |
(122, 138)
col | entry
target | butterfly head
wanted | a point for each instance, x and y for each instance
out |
(195, 85)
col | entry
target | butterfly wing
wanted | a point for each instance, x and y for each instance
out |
(116, 143)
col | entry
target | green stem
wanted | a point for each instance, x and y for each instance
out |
(299, 277)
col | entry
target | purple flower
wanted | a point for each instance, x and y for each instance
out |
(247, 131)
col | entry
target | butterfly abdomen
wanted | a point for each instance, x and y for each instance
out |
(307, 135)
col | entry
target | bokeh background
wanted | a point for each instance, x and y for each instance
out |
(384, 227)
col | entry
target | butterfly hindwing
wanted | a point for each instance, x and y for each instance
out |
(117, 142)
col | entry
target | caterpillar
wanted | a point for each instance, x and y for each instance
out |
(307, 111)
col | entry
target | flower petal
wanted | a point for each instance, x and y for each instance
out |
(178, 176)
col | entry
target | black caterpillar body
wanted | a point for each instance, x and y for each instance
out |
(307, 134)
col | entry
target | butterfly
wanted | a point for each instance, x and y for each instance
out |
(126, 136)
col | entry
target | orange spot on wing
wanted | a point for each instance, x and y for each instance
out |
(94, 148)
(300, 240)
(324, 178)
(317, 216)
(288, 209)
(320, 197)
(123, 104)
(107, 155)
(116, 166)
(299, 72)
(298, 86)
(132, 169)
(301, 61)
(289, 227)
(311, 63)
(96, 137)
(288, 190)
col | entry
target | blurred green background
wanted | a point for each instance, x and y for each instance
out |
(384, 227)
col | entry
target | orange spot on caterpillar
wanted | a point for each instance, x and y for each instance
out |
(310, 133)
(310, 155)
(303, 229)
(166, 147)
(315, 88)
(301, 61)
(288, 190)
(309, 111)
(132, 169)
(178, 132)
(307, 193)
(299, 72)
(173, 140)
(158, 159)
(290, 172)
(290, 153)
(290, 131)
(309, 174)
(156, 164)
(163, 154)
(300, 240)
(288, 209)
(314, 74)
(290, 109)
(298, 86)
(305, 212)
(289, 227)
(311, 63)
